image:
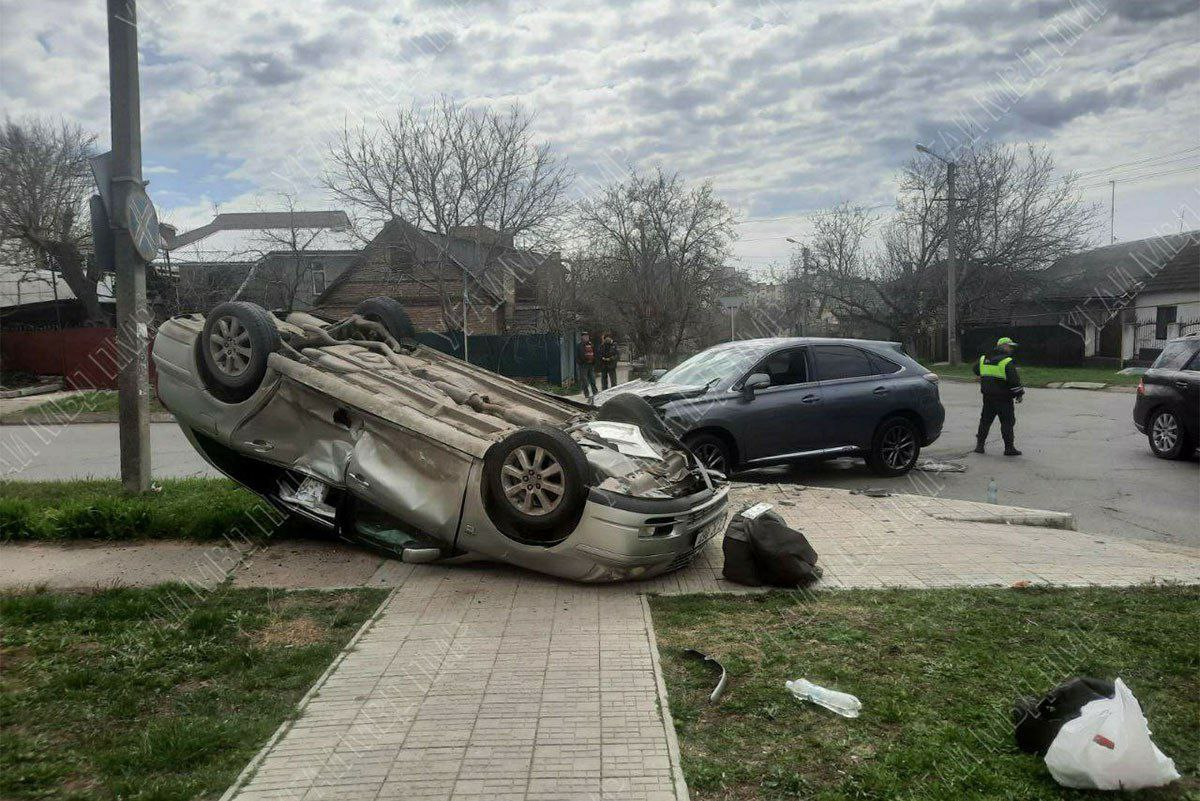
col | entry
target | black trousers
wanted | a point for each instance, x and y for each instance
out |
(608, 377)
(994, 407)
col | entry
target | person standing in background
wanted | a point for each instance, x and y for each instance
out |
(585, 359)
(609, 356)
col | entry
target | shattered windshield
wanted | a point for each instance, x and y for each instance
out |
(723, 361)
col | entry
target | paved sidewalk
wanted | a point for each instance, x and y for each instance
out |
(484, 685)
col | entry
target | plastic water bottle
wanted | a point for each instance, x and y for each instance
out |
(993, 492)
(843, 704)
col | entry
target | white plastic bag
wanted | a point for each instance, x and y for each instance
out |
(1108, 747)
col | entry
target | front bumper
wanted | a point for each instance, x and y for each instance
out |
(935, 418)
(618, 538)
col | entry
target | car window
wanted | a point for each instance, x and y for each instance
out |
(785, 367)
(841, 361)
(1194, 362)
(1174, 356)
(883, 365)
(718, 362)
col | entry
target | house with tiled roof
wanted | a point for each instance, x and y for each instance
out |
(437, 276)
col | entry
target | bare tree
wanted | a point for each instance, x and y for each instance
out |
(283, 263)
(1016, 217)
(657, 256)
(451, 169)
(44, 187)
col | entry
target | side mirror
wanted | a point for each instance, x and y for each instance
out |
(657, 374)
(755, 382)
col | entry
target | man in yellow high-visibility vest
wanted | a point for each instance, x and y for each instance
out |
(1000, 384)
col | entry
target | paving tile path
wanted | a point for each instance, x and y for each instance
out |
(484, 685)
(490, 683)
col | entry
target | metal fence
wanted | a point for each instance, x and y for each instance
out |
(546, 356)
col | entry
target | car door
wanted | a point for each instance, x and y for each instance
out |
(856, 396)
(1188, 383)
(786, 417)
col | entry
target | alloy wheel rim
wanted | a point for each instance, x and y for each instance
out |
(1165, 432)
(229, 346)
(710, 456)
(898, 448)
(532, 479)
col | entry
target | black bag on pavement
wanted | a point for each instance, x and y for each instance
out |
(766, 551)
(1037, 722)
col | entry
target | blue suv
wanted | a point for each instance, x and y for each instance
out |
(768, 401)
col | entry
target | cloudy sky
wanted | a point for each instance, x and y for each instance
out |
(787, 107)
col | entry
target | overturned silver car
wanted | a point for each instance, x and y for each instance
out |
(358, 429)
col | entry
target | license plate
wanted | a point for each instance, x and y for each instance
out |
(707, 533)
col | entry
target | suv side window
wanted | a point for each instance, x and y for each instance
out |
(1194, 363)
(1174, 356)
(785, 367)
(841, 361)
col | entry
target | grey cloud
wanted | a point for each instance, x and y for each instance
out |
(265, 68)
(1052, 110)
(1155, 10)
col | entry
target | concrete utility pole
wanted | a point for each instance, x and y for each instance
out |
(952, 355)
(1112, 213)
(133, 381)
(951, 266)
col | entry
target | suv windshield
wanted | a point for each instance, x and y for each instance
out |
(1175, 355)
(725, 361)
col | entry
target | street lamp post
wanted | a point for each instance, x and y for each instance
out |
(951, 258)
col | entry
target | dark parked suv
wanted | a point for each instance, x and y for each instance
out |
(1167, 410)
(766, 401)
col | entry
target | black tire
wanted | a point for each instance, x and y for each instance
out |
(630, 408)
(234, 345)
(712, 451)
(391, 314)
(895, 447)
(536, 480)
(1167, 437)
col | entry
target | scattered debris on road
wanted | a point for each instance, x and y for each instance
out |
(934, 466)
(872, 492)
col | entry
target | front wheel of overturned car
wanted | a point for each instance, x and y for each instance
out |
(391, 314)
(536, 481)
(895, 448)
(235, 342)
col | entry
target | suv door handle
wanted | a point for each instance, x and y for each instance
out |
(1181, 384)
(810, 398)
(879, 391)
(358, 479)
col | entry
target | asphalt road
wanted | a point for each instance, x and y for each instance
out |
(1081, 455)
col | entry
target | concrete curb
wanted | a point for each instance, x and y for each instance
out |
(1052, 385)
(664, 706)
(1020, 517)
(83, 418)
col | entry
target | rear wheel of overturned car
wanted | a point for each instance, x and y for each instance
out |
(712, 451)
(391, 314)
(234, 345)
(895, 447)
(536, 481)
